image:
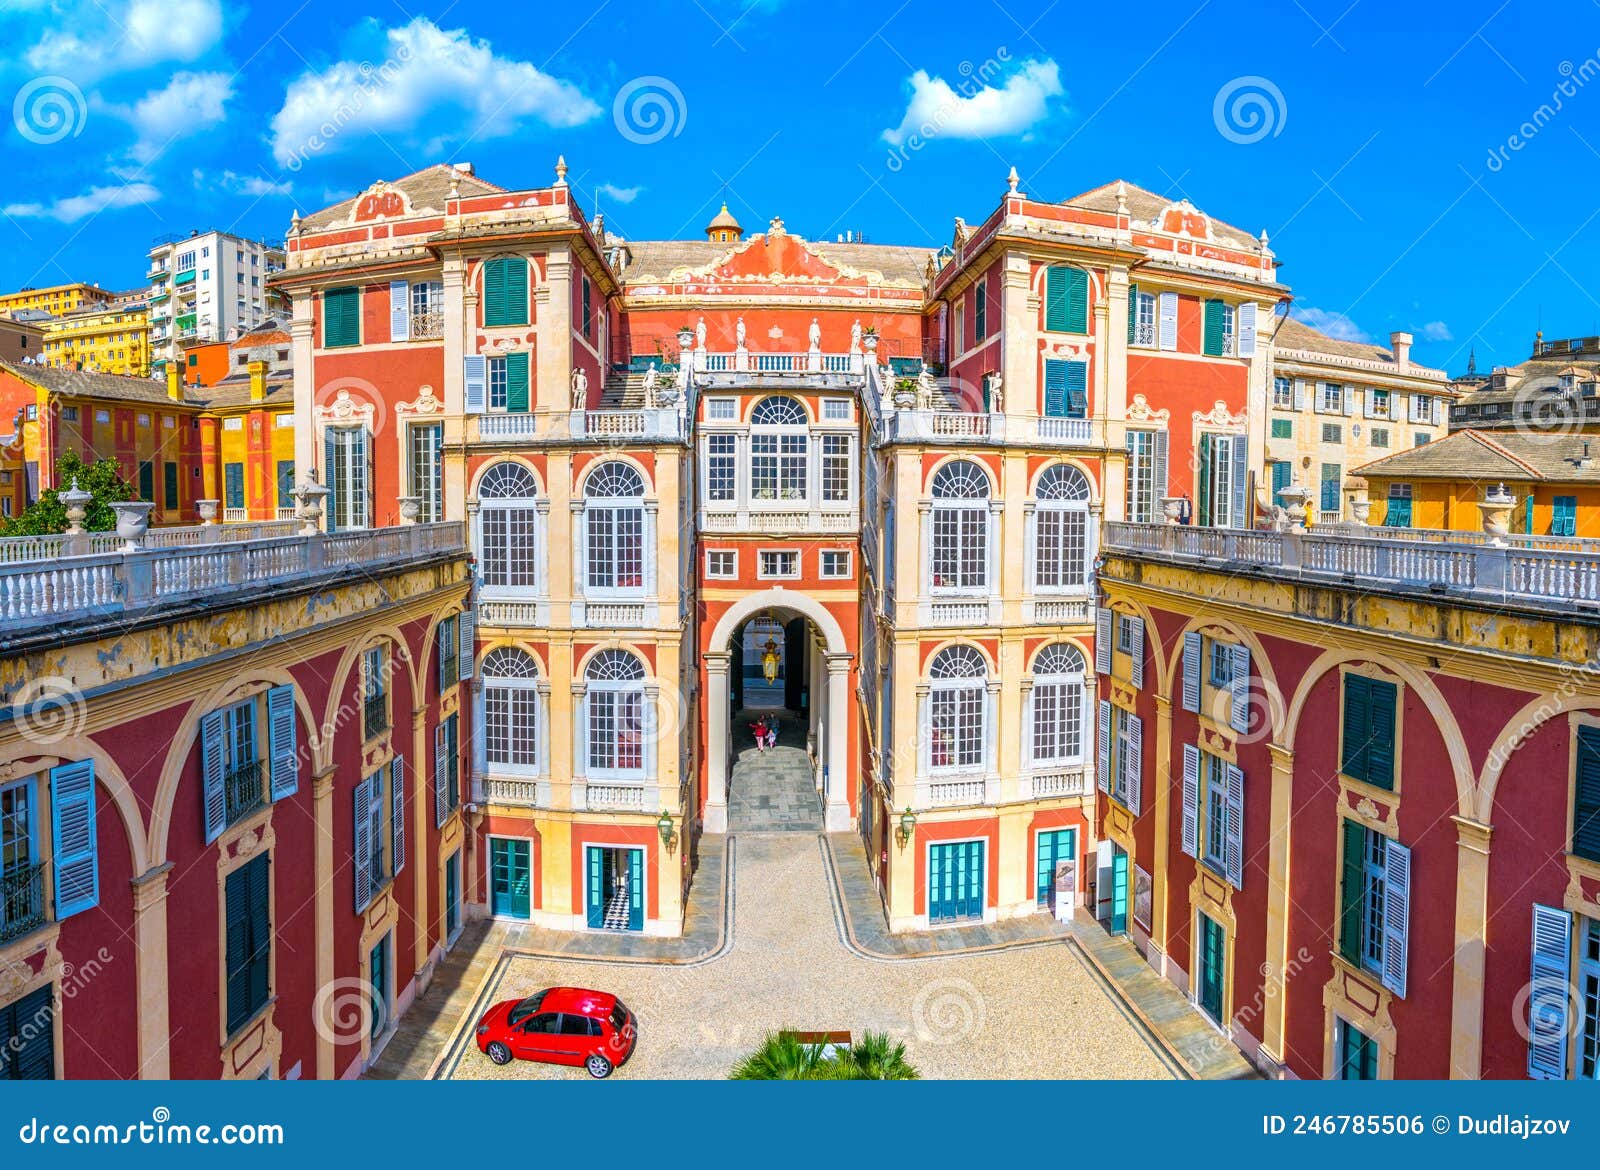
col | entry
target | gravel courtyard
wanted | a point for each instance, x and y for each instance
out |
(1035, 1012)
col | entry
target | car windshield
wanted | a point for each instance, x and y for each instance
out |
(526, 1008)
(619, 1016)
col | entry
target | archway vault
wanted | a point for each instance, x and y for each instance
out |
(790, 600)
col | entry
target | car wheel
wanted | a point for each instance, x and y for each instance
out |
(498, 1052)
(599, 1067)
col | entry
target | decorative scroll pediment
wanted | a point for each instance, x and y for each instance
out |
(1139, 410)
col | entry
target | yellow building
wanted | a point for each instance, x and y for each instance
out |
(57, 299)
(108, 339)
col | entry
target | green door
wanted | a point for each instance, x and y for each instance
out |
(1211, 968)
(379, 960)
(452, 894)
(1055, 845)
(955, 881)
(510, 877)
(1119, 892)
(1202, 495)
(596, 886)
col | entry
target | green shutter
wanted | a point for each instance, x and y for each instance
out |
(517, 381)
(1066, 297)
(1381, 697)
(1077, 389)
(1077, 301)
(1133, 310)
(1213, 335)
(1055, 299)
(505, 291)
(1351, 885)
(1357, 724)
(1586, 802)
(1055, 388)
(169, 484)
(341, 317)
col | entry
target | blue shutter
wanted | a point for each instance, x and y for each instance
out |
(1133, 760)
(1077, 389)
(212, 774)
(1167, 321)
(1055, 299)
(1191, 800)
(441, 800)
(517, 381)
(595, 903)
(445, 635)
(282, 747)
(1136, 652)
(1564, 516)
(466, 629)
(1212, 341)
(77, 864)
(475, 382)
(1233, 853)
(1396, 915)
(1549, 992)
(1380, 744)
(1103, 621)
(1586, 796)
(1192, 649)
(1133, 310)
(1055, 388)
(1239, 689)
(1077, 300)
(361, 843)
(397, 811)
(1103, 748)
(1238, 452)
(1246, 328)
(328, 449)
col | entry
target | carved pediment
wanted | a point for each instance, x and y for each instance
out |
(380, 201)
(1218, 416)
(1139, 410)
(1183, 219)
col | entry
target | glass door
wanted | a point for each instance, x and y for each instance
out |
(509, 877)
(1212, 958)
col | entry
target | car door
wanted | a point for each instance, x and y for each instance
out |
(576, 1038)
(539, 1037)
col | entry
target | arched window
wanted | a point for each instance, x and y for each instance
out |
(510, 710)
(614, 527)
(779, 438)
(1057, 702)
(957, 710)
(1061, 547)
(509, 542)
(614, 698)
(959, 560)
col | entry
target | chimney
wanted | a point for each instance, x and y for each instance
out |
(174, 381)
(258, 380)
(1400, 343)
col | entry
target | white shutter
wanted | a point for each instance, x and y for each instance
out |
(362, 844)
(399, 311)
(1191, 800)
(1103, 748)
(466, 629)
(475, 382)
(1158, 480)
(1192, 649)
(1238, 453)
(1247, 329)
(1549, 988)
(1167, 317)
(1136, 671)
(1369, 406)
(441, 800)
(1396, 916)
(1299, 393)
(1133, 758)
(1233, 854)
(397, 810)
(1102, 639)
(1350, 394)
(212, 779)
(1239, 689)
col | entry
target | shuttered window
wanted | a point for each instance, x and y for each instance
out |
(1066, 389)
(1218, 339)
(1366, 751)
(980, 313)
(1564, 516)
(27, 1037)
(1586, 802)
(1374, 904)
(505, 291)
(516, 381)
(341, 317)
(1358, 1053)
(1066, 300)
(249, 935)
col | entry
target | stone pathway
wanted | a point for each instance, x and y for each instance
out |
(422, 1033)
(774, 791)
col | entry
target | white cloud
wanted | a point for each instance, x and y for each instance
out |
(444, 78)
(1335, 325)
(619, 194)
(255, 186)
(971, 110)
(190, 103)
(93, 39)
(75, 207)
(1437, 331)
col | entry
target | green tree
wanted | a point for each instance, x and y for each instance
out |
(101, 479)
(875, 1057)
(782, 1056)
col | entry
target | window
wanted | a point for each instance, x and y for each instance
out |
(1144, 318)
(449, 636)
(1419, 439)
(1564, 516)
(614, 536)
(1219, 663)
(957, 705)
(1218, 340)
(1330, 398)
(1332, 433)
(721, 409)
(69, 414)
(21, 873)
(1147, 474)
(1061, 530)
(426, 472)
(1066, 300)
(505, 291)
(1356, 1053)
(1222, 499)
(229, 747)
(497, 382)
(1377, 402)
(1066, 393)
(249, 940)
(374, 698)
(345, 463)
(778, 444)
(169, 484)
(614, 699)
(1380, 436)
(511, 710)
(836, 477)
(1057, 705)
(722, 564)
(1374, 903)
(1366, 752)
(341, 317)
(510, 543)
(1397, 514)
(836, 409)
(1586, 795)
(1282, 428)
(1126, 638)
(588, 308)
(1328, 498)
(1121, 755)
(1283, 393)
(834, 563)
(28, 1029)
(980, 312)
(721, 463)
(781, 563)
(959, 559)
(378, 849)
(1422, 407)
(1589, 986)
(1214, 801)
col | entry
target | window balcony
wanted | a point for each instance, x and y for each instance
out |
(1050, 783)
(244, 791)
(777, 516)
(427, 326)
(608, 614)
(605, 426)
(21, 901)
(1044, 610)
(526, 791)
(606, 797)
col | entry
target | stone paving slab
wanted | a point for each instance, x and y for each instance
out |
(772, 791)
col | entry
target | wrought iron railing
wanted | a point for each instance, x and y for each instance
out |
(375, 714)
(21, 901)
(244, 790)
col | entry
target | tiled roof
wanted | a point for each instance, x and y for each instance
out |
(235, 391)
(429, 187)
(86, 384)
(660, 259)
(1483, 458)
(1146, 206)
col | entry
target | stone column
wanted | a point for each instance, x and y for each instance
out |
(150, 975)
(714, 817)
(1275, 978)
(837, 794)
(1160, 877)
(1472, 927)
(422, 813)
(322, 810)
(302, 343)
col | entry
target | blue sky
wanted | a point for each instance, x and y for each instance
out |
(1385, 148)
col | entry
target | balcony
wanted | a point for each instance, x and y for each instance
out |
(645, 425)
(244, 791)
(21, 901)
(778, 518)
(516, 790)
(427, 326)
(1056, 611)
(957, 426)
(1048, 785)
(620, 797)
(512, 614)
(947, 793)
(606, 615)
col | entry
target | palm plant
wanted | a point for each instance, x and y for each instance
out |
(783, 1056)
(875, 1057)
(780, 1057)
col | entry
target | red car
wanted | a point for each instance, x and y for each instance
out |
(561, 1025)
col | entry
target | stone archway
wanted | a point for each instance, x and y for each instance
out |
(830, 712)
